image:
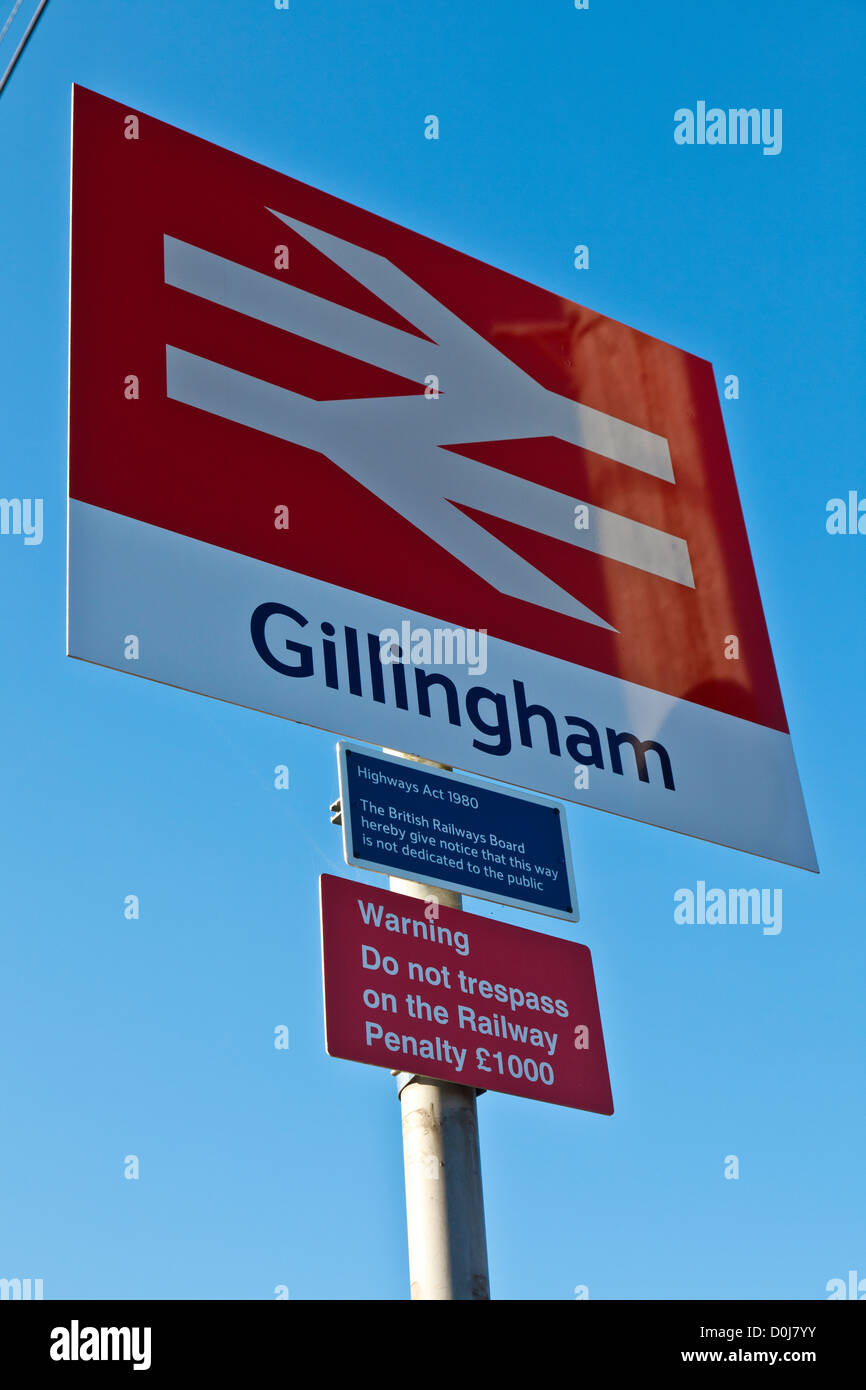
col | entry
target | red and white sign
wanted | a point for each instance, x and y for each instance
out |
(460, 998)
(295, 426)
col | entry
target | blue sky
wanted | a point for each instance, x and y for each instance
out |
(155, 1037)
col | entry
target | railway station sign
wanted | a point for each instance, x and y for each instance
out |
(325, 467)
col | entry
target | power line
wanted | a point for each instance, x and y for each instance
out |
(22, 45)
(15, 8)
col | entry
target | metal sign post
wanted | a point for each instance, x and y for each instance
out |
(441, 1164)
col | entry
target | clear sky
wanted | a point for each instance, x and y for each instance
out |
(154, 1037)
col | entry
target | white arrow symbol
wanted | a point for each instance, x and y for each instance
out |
(391, 444)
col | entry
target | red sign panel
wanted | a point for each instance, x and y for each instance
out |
(446, 994)
(189, 240)
(296, 428)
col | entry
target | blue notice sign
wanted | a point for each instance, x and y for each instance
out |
(412, 821)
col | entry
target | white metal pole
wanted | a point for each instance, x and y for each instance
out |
(442, 1167)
